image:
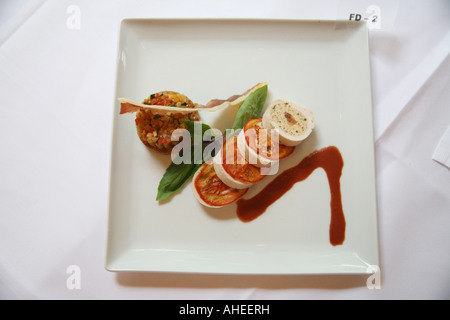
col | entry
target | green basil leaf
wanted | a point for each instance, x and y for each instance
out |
(196, 139)
(251, 107)
(190, 127)
(177, 175)
(174, 178)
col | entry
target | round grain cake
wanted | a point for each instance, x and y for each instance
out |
(155, 127)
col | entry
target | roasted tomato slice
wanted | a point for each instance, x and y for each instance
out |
(211, 190)
(236, 165)
(262, 143)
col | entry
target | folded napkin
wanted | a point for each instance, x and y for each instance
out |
(442, 152)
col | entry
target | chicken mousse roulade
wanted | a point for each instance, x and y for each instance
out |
(293, 121)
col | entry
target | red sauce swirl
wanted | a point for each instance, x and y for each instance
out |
(331, 161)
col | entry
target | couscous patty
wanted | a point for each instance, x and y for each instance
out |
(155, 128)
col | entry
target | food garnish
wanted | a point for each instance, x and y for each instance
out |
(128, 105)
(178, 172)
(251, 107)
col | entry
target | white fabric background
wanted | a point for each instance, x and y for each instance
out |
(57, 88)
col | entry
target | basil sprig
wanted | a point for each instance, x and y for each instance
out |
(177, 175)
(251, 107)
(174, 178)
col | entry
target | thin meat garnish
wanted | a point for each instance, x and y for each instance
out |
(130, 106)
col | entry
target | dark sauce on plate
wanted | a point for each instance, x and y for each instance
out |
(330, 160)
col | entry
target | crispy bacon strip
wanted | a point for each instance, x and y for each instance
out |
(130, 106)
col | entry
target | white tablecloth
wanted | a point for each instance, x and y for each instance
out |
(57, 62)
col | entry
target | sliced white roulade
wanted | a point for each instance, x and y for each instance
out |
(259, 146)
(231, 167)
(293, 121)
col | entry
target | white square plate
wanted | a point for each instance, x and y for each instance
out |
(323, 65)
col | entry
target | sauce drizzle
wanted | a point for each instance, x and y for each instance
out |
(329, 159)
